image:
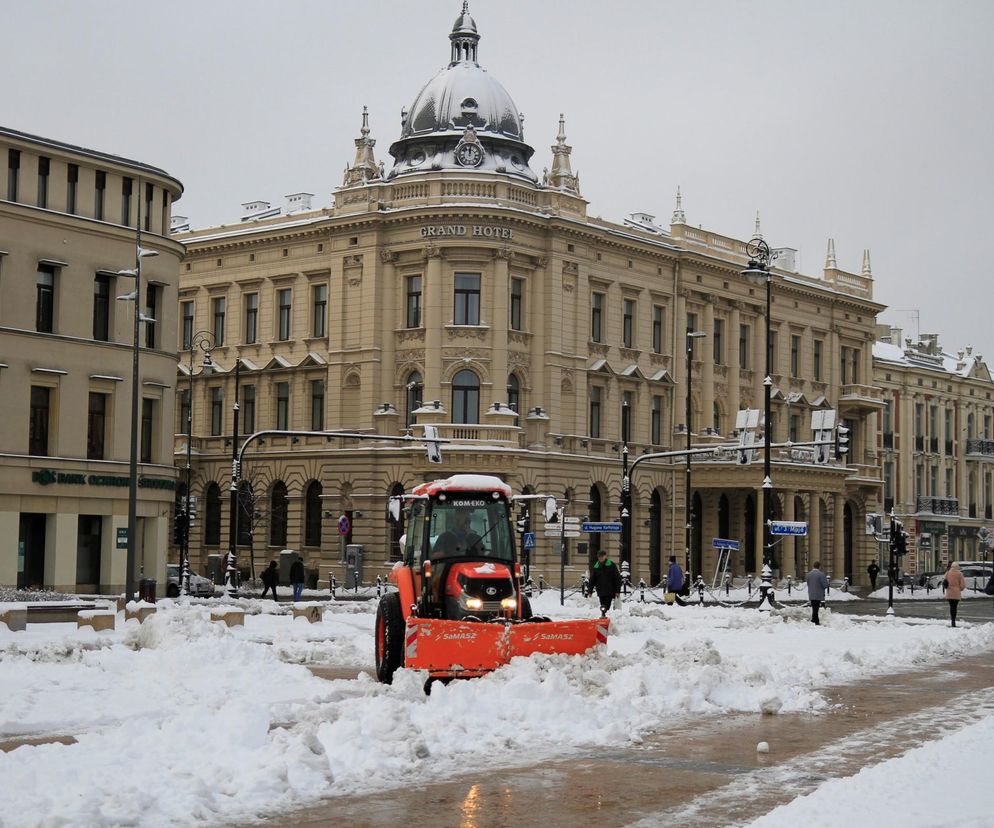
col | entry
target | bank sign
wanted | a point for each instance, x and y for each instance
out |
(46, 477)
(478, 231)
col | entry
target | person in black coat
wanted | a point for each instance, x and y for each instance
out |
(297, 577)
(605, 580)
(270, 578)
(873, 570)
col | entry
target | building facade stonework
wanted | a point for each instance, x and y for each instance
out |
(69, 219)
(462, 289)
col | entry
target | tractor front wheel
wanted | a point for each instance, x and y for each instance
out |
(389, 637)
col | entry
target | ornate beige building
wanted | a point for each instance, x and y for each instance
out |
(462, 289)
(68, 224)
(937, 447)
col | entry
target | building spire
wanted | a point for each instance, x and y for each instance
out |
(364, 167)
(562, 176)
(464, 38)
(758, 232)
(830, 263)
(867, 272)
(678, 215)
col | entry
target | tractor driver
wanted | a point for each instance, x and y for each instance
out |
(461, 540)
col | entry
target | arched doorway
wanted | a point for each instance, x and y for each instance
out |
(697, 538)
(750, 534)
(847, 542)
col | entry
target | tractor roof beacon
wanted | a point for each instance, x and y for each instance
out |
(459, 610)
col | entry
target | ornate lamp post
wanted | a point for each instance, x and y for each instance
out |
(203, 341)
(689, 510)
(758, 272)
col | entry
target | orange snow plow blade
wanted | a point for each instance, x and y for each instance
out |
(461, 649)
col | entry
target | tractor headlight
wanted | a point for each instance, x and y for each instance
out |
(509, 603)
(474, 603)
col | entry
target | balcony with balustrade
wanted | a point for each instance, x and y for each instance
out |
(947, 507)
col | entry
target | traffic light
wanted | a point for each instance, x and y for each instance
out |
(523, 522)
(181, 526)
(841, 442)
(898, 539)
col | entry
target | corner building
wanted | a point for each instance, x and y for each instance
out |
(70, 218)
(459, 288)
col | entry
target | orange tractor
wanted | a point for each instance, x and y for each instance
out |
(459, 610)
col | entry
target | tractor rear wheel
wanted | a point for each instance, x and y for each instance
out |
(526, 608)
(389, 637)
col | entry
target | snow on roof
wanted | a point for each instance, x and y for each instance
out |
(464, 483)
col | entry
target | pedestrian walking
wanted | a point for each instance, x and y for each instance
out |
(873, 570)
(297, 577)
(817, 586)
(674, 581)
(605, 580)
(955, 584)
(270, 578)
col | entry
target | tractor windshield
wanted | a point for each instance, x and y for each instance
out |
(474, 527)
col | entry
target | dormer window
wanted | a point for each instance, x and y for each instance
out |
(469, 106)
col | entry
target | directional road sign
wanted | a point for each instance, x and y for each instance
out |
(601, 527)
(725, 543)
(568, 520)
(554, 530)
(788, 527)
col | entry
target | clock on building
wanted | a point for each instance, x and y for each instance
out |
(469, 155)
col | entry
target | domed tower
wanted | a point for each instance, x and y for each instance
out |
(463, 119)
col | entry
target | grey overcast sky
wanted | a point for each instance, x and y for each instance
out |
(868, 121)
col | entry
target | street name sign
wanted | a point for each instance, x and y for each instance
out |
(788, 527)
(601, 527)
(725, 543)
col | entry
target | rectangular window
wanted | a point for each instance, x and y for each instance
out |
(72, 180)
(718, 342)
(517, 302)
(218, 304)
(595, 411)
(248, 409)
(320, 308)
(187, 316)
(933, 481)
(149, 197)
(656, 425)
(744, 333)
(627, 401)
(692, 328)
(45, 299)
(41, 399)
(126, 187)
(317, 405)
(949, 482)
(413, 301)
(628, 323)
(854, 370)
(43, 168)
(795, 356)
(283, 406)
(251, 318)
(466, 309)
(596, 317)
(217, 410)
(819, 345)
(101, 307)
(657, 329)
(100, 185)
(13, 170)
(96, 426)
(794, 427)
(285, 303)
(151, 314)
(147, 433)
(888, 482)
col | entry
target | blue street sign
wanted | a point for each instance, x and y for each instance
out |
(788, 527)
(529, 540)
(725, 543)
(601, 527)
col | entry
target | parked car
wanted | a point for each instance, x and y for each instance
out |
(976, 573)
(200, 587)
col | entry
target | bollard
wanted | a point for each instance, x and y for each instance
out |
(790, 583)
(641, 590)
(585, 586)
(378, 586)
(626, 577)
(333, 585)
(541, 584)
(912, 587)
(529, 587)
(845, 584)
(728, 585)
(749, 586)
(699, 585)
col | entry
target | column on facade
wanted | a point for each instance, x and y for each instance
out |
(706, 416)
(433, 326)
(679, 358)
(499, 324)
(838, 532)
(114, 561)
(788, 554)
(390, 296)
(537, 327)
(759, 360)
(61, 536)
(815, 545)
(734, 323)
(10, 532)
(834, 357)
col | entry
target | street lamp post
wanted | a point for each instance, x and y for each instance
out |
(688, 506)
(626, 492)
(758, 272)
(231, 573)
(203, 340)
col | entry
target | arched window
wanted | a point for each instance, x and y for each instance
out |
(212, 516)
(595, 516)
(513, 392)
(415, 392)
(312, 514)
(278, 508)
(465, 397)
(246, 513)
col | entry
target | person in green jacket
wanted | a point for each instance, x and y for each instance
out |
(605, 580)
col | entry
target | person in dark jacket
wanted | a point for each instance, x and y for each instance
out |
(297, 577)
(605, 580)
(873, 570)
(270, 577)
(674, 581)
(817, 586)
